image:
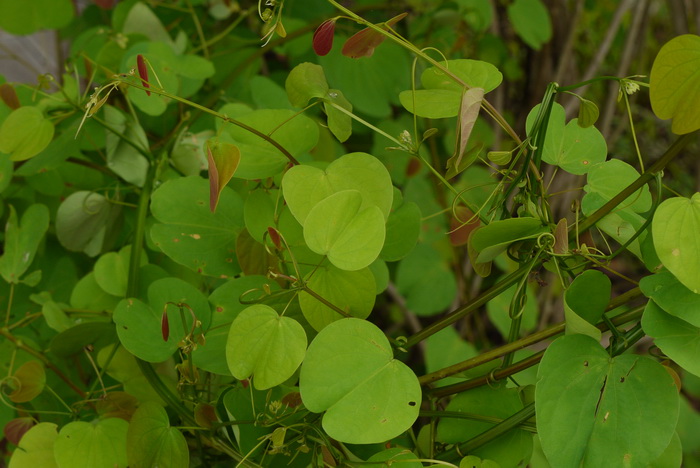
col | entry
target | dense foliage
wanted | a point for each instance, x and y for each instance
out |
(414, 233)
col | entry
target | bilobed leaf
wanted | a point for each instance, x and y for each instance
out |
(223, 161)
(264, 345)
(125, 160)
(674, 83)
(350, 291)
(351, 236)
(112, 270)
(350, 373)
(22, 240)
(675, 231)
(531, 22)
(468, 113)
(152, 442)
(25, 133)
(101, 444)
(402, 231)
(609, 178)
(305, 82)
(678, 339)
(304, 186)
(583, 397)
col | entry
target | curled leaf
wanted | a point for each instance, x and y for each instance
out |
(143, 72)
(363, 43)
(468, 113)
(323, 37)
(587, 113)
(223, 161)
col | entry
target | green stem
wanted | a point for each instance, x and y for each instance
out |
(461, 312)
(496, 431)
(528, 341)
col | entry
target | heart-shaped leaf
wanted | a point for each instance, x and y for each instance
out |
(29, 381)
(674, 82)
(101, 444)
(305, 82)
(152, 442)
(350, 373)
(675, 232)
(583, 398)
(585, 301)
(305, 186)
(531, 22)
(672, 296)
(351, 236)
(264, 345)
(36, 448)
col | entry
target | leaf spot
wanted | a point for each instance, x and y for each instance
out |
(176, 239)
(622, 379)
(675, 252)
(195, 236)
(585, 363)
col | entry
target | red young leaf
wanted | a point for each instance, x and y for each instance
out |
(9, 96)
(16, 428)
(323, 37)
(165, 325)
(105, 4)
(143, 72)
(363, 43)
(275, 237)
(223, 161)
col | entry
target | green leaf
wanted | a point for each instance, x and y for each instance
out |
(426, 281)
(259, 212)
(83, 221)
(675, 232)
(127, 162)
(25, 133)
(531, 22)
(508, 450)
(112, 271)
(350, 373)
(22, 241)
(370, 84)
(609, 178)
(223, 161)
(402, 231)
(442, 97)
(36, 448)
(139, 324)
(395, 457)
(351, 236)
(101, 444)
(674, 82)
(265, 345)
(259, 159)
(677, 338)
(672, 296)
(585, 301)
(190, 233)
(584, 397)
(305, 186)
(351, 291)
(472, 461)
(152, 442)
(142, 20)
(225, 306)
(587, 113)
(6, 172)
(305, 82)
(570, 146)
(494, 238)
(339, 123)
(27, 17)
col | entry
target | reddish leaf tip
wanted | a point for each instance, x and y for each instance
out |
(323, 37)
(143, 72)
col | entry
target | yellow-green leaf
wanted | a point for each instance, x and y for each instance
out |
(223, 161)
